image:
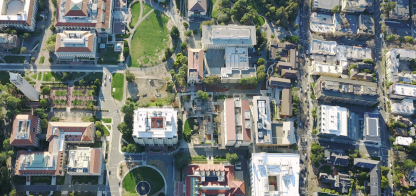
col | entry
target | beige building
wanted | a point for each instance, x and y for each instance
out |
(197, 8)
(195, 66)
(78, 46)
(9, 41)
(237, 123)
(19, 14)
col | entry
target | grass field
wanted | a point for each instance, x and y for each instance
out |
(143, 174)
(118, 83)
(34, 76)
(47, 76)
(148, 38)
(14, 59)
(108, 56)
(78, 93)
(106, 120)
(146, 8)
(42, 59)
(159, 102)
(39, 75)
(258, 21)
(60, 93)
(106, 132)
(135, 11)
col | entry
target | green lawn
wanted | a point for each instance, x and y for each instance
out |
(148, 38)
(117, 82)
(146, 8)
(106, 132)
(47, 76)
(90, 93)
(259, 21)
(135, 10)
(59, 102)
(14, 59)
(108, 56)
(93, 76)
(42, 59)
(60, 92)
(40, 179)
(143, 174)
(106, 120)
(215, 8)
(85, 179)
(39, 75)
(74, 76)
(187, 131)
(4, 77)
(34, 76)
(159, 102)
(77, 102)
(78, 93)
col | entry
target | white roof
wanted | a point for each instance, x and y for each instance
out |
(79, 159)
(403, 141)
(404, 89)
(155, 123)
(325, 67)
(283, 167)
(236, 57)
(229, 35)
(14, 10)
(334, 120)
(405, 106)
(322, 47)
(322, 23)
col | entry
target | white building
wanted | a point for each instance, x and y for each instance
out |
(393, 58)
(404, 107)
(371, 133)
(354, 53)
(334, 120)
(197, 8)
(220, 36)
(274, 174)
(322, 23)
(354, 6)
(237, 122)
(325, 69)
(18, 14)
(262, 120)
(323, 47)
(236, 65)
(403, 141)
(76, 46)
(85, 161)
(155, 126)
(402, 91)
(24, 86)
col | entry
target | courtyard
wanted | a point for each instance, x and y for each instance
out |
(143, 173)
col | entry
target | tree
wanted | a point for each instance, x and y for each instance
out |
(82, 82)
(23, 50)
(174, 32)
(6, 144)
(97, 134)
(13, 193)
(12, 102)
(182, 159)
(131, 148)
(26, 36)
(55, 119)
(126, 51)
(211, 80)
(363, 175)
(335, 9)
(184, 46)
(50, 48)
(128, 108)
(122, 127)
(251, 81)
(185, 24)
(202, 95)
(32, 59)
(317, 153)
(261, 61)
(46, 90)
(225, 3)
(184, 61)
(44, 123)
(384, 170)
(389, 6)
(97, 82)
(168, 53)
(409, 165)
(44, 103)
(169, 86)
(232, 158)
(130, 77)
(3, 157)
(260, 73)
(391, 38)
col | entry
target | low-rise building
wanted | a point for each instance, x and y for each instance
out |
(340, 182)
(371, 133)
(274, 174)
(205, 179)
(323, 47)
(283, 134)
(237, 122)
(365, 24)
(375, 175)
(18, 14)
(403, 141)
(411, 176)
(393, 58)
(289, 74)
(356, 75)
(197, 8)
(286, 103)
(402, 91)
(279, 82)
(195, 66)
(354, 6)
(290, 62)
(236, 65)
(262, 120)
(220, 36)
(403, 107)
(155, 126)
(331, 89)
(322, 23)
(325, 69)
(78, 46)
(9, 41)
(78, 133)
(325, 6)
(334, 120)
(400, 11)
(280, 50)
(355, 53)
(85, 161)
(24, 130)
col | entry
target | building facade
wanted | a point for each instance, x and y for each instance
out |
(18, 14)
(24, 86)
(79, 46)
(155, 126)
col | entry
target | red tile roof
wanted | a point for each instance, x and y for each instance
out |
(196, 61)
(31, 140)
(95, 161)
(82, 12)
(87, 130)
(230, 116)
(89, 47)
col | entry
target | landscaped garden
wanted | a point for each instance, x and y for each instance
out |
(14, 59)
(60, 92)
(77, 102)
(92, 76)
(59, 102)
(42, 59)
(78, 93)
(117, 83)
(47, 76)
(143, 174)
(150, 40)
(135, 11)
(108, 56)
(106, 132)
(106, 120)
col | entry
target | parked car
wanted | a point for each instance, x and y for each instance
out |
(237, 166)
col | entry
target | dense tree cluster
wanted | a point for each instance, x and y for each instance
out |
(211, 80)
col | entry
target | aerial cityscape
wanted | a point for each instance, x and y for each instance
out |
(207, 97)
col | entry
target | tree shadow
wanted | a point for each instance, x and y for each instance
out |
(159, 17)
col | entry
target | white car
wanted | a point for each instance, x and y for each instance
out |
(237, 166)
(105, 84)
(307, 52)
(109, 78)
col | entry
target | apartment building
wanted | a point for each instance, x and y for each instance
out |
(155, 126)
(371, 133)
(78, 46)
(325, 69)
(402, 91)
(334, 120)
(220, 36)
(403, 107)
(18, 14)
(237, 123)
(393, 58)
(24, 130)
(341, 90)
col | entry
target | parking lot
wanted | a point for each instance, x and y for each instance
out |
(398, 28)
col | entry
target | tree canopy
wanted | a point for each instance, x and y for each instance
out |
(182, 159)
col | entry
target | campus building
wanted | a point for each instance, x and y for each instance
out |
(195, 66)
(197, 8)
(84, 15)
(9, 41)
(403, 107)
(221, 36)
(348, 91)
(24, 86)
(19, 14)
(155, 126)
(237, 122)
(85, 161)
(24, 130)
(236, 65)
(274, 174)
(78, 46)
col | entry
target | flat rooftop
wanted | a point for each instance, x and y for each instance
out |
(334, 120)
(229, 35)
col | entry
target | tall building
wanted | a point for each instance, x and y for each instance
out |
(19, 14)
(24, 86)
(155, 126)
(237, 122)
(274, 174)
